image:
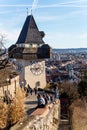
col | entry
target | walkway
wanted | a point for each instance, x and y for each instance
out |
(30, 103)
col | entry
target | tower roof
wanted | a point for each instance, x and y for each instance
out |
(30, 33)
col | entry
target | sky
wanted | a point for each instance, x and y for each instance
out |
(63, 21)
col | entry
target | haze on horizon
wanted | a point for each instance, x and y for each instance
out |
(63, 21)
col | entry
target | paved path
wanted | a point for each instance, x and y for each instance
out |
(30, 103)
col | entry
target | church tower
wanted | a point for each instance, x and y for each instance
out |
(30, 52)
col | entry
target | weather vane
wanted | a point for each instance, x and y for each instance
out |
(30, 11)
(27, 11)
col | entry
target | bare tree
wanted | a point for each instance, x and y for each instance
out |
(70, 89)
(3, 56)
(2, 41)
(82, 89)
(2, 44)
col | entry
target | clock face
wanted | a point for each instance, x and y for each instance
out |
(37, 68)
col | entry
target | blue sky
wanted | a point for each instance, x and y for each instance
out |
(63, 21)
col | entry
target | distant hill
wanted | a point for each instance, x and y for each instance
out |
(70, 50)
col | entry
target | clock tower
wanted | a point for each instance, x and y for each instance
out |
(30, 52)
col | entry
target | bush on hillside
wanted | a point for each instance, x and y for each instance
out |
(78, 115)
(70, 89)
(82, 89)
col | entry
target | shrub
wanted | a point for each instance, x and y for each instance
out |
(78, 115)
(82, 88)
(12, 113)
(3, 115)
(70, 89)
(16, 109)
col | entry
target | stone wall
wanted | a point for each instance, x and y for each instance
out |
(48, 119)
(14, 83)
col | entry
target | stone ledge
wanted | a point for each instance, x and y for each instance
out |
(42, 112)
(42, 118)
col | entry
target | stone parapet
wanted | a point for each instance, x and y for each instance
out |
(11, 87)
(42, 119)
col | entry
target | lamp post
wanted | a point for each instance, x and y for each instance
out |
(15, 79)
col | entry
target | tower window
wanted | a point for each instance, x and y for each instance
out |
(37, 84)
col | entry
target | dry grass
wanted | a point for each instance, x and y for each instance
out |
(12, 113)
(16, 110)
(79, 116)
(3, 115)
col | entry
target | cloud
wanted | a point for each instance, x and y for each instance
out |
(76, 3)
(79, 12)
(48, 18)
(15, 5)
(73, 2)
(61, 5)
(4, 12)
(71, 14)
(83, 36)
(66, 40)
(34, 5)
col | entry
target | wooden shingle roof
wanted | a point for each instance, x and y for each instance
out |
(30, 33)
(35, 48)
